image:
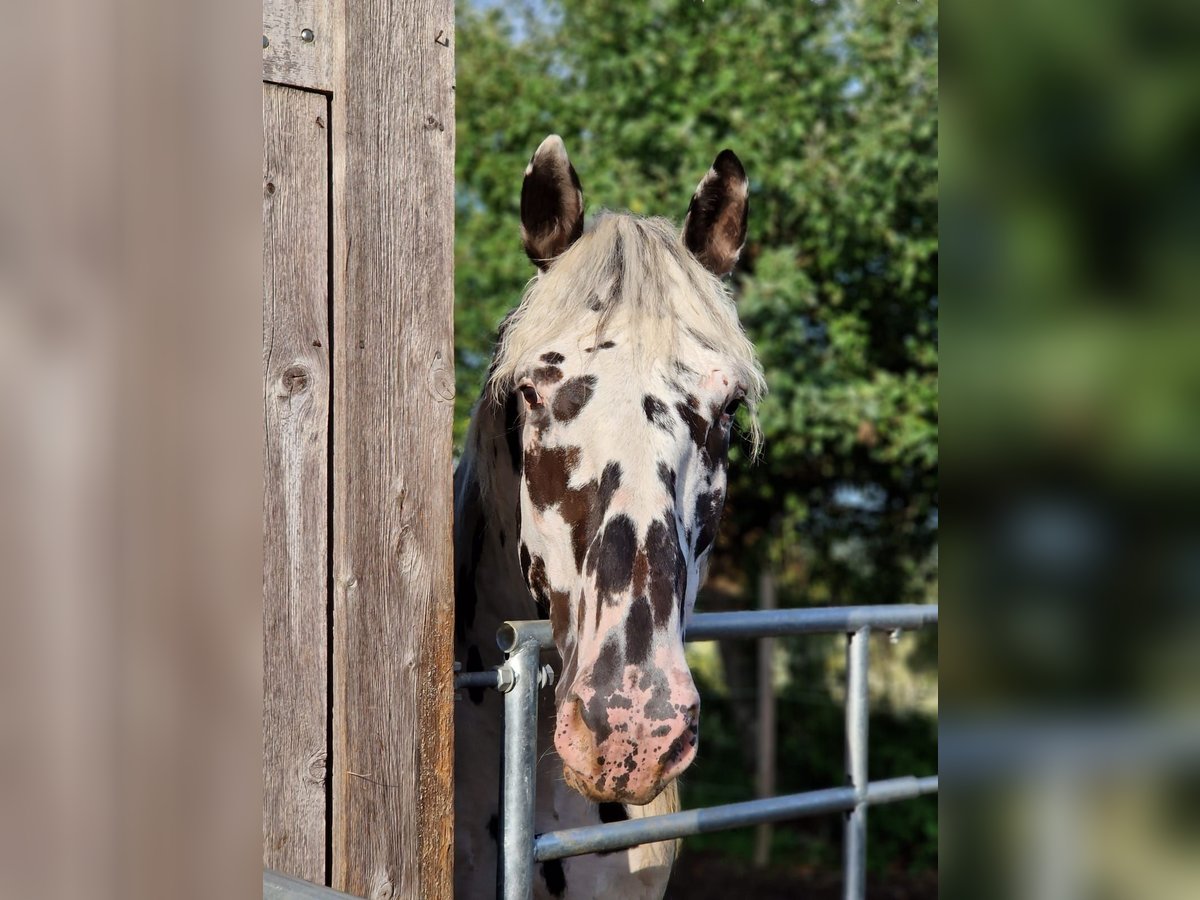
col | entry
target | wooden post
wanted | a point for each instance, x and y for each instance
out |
(296, 389)
(384, 71)
(765, 781)
(393, 301)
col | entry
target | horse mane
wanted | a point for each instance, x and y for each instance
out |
(631, 275)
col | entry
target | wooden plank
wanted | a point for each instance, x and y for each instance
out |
(393, 171)
(296, 393)
(287, 57)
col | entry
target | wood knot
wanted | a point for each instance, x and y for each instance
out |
(441, 378)
(315, 770)
(295, 380)
(382, 888)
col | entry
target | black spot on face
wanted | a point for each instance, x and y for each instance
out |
(656, 412)
(708, 516)
(659, 707)
(553, 358)
(610, 480)
(539, 586)
(547, 375)
(606, 673)
(667, 476)
(667, 569)
(548, 474)
(716, 446)
(612, 561)
(696, 423)
(639, 627)
(560, 613)
(555, 877)
(608, 345)
(606, 679)
(573, 396)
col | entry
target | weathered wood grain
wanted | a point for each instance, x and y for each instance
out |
(393, 171)
(296, 400)
(288, 58)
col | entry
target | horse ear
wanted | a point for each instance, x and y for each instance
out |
(551, 203)
(715, 227)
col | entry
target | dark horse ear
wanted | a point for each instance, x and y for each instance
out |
(551, 203)
(715, 227)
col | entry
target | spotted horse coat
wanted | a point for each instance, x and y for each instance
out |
(589, 493)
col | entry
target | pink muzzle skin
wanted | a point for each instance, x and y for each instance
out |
(625, 742)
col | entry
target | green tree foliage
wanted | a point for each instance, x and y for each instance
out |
(833, 109)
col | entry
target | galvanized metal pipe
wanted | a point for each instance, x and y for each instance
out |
(854, 844)
(825, 620)
(618, 835)
(520, 773)
(759, 623)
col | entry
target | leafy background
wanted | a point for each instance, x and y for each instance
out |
(833, 109)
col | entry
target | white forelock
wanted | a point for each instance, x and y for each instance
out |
(634, 276)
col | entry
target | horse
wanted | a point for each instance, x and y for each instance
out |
(589, 492)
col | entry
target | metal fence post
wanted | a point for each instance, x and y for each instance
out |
(854, 849)
(520, 767)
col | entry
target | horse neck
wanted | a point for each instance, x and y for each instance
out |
(490, 588)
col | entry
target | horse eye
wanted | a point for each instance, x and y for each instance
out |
(733, 406)
(529, 392)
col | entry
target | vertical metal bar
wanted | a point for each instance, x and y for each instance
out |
(854, 849)
(765, 786)
(520, 775)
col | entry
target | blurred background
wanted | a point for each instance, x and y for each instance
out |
(833, 109)
(1070, 196)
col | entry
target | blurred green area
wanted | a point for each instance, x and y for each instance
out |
(1071, 186)
(833, 109)
(1071, 192)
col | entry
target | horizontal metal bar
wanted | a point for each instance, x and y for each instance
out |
(762, 623)
(486, 679)
(284, 887)
(821, 620)
(618, 835)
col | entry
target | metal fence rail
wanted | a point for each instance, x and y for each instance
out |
(522, 674)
